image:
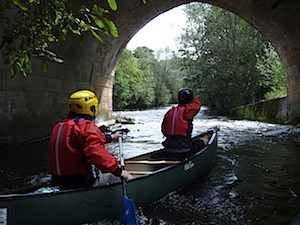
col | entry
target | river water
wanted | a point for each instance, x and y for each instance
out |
(255, 180)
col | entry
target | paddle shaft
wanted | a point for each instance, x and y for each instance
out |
(124, 185)
(128, 214)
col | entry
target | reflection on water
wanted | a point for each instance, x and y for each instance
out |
(255, 179)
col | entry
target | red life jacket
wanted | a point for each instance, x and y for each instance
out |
(174, 123)
(64, 159)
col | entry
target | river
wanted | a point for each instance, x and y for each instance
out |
(255, 180)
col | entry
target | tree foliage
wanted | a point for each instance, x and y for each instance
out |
(164, 74)
(132, 89)
(153, 70)
(143, 81)
(270, 67)
(220, 53)
(30, 26)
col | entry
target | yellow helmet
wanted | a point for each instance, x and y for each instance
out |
(84, 102)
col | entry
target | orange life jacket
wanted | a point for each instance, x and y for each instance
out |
(174, 123)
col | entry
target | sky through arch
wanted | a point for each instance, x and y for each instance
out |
(161, 32)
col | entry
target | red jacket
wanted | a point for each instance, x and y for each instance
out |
(174, 124)
(74, 145)
(192, 109)
(176, 120)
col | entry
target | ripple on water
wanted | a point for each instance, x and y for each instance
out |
(254, 181)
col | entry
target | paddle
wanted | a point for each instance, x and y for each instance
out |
(279, 131)
(128, 214)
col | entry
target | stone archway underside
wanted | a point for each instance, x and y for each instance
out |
(32, 105)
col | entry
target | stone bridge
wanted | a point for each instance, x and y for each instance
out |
(30, 106)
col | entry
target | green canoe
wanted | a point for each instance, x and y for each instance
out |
(154, 178)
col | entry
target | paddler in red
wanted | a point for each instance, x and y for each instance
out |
(77, 156)
(177, 125)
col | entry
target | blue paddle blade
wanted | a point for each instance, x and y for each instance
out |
(128, 214)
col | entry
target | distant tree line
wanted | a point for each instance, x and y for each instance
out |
(143, 81)
(223, 59)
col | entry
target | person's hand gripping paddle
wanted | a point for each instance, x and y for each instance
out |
(128, 213)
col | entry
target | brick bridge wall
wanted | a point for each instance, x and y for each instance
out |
(30, 106)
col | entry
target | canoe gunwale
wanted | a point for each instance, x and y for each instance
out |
(201, 151)
(168, 167)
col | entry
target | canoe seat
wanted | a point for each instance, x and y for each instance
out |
(139, 172)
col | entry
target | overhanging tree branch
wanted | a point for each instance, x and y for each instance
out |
(35, 24)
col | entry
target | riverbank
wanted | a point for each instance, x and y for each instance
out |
(274, 111)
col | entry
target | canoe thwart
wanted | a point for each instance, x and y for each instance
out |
(152, 162)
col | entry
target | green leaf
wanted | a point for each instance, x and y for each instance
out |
(97, 37)
(144, 1)
(20, 4)
(51, 38)
(48, 52)
(98, 10)
(63, 34)
(112, 28)
(73, 30)
(84, 26)
(28, 64)
(98, 22)
(21, 69)
(58, 17)
(112, 4)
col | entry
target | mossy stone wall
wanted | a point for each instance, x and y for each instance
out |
(267, 111)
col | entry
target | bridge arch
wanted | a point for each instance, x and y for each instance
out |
(32, 105)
